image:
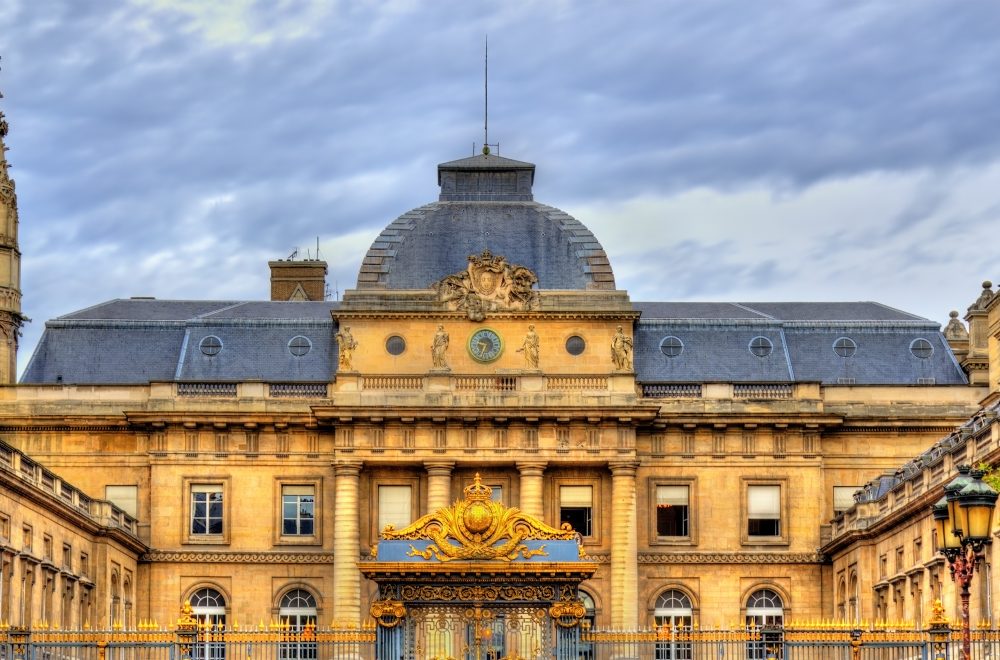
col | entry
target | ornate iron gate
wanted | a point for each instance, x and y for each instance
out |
(477, 633)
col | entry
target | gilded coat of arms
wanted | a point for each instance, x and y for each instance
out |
(489, 283)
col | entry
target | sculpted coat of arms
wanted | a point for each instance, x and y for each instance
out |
(488, 284)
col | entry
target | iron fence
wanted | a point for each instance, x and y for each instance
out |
(283, 643)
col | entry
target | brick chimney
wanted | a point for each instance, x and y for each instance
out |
(298, 280)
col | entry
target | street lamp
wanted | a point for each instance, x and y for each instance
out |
(964, 520)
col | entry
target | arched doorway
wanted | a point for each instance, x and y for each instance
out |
(765, 609)
(209, 609)
(673, 612)
(296, 611)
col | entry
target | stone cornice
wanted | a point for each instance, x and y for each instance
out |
(186, 557)
(732, 558)
(638, 412)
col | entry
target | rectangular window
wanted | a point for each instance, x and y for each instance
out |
(672, 511)
(763, 510)
(843, 498)
(206, 509)
(84, 564)
(298, 510)
(4, 526)
(394, 506)
(67, 557)
(497, 493)
(27, 538)
(576, 506)
(47, 547)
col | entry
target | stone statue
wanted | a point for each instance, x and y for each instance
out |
(438, 348)
(345, 348)
(530, 348)
(621, 351)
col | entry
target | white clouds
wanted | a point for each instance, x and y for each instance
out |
(845, 239)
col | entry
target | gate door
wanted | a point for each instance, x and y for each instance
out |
(477, 633)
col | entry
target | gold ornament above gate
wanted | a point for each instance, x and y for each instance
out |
(476, 527)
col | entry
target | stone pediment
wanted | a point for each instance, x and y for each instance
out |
(489, 284)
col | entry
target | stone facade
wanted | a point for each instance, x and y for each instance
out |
(677, 440)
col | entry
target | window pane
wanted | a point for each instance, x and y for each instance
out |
(306, 527)
(393, 506)
(215, 526)
(288, 526)
(764, 502)
(576, 496)
(288, 508)
(198, 526)
(579, 519)
(843, 497)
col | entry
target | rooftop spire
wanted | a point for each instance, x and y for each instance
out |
(11, 318)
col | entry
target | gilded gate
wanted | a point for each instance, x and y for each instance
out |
(478, 581)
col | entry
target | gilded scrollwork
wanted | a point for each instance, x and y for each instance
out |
(567, 613)
(478, 528)
(388, 613)
(489, 283)
(476, 593)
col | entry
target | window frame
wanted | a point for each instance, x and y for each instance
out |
(691, 538)
(596, 507)
(225, 483)
(280, 538)
(784, 521)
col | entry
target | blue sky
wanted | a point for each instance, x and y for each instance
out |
(780, 150)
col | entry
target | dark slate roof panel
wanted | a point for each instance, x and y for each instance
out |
(711, 354)
(882, 357)
(694, 310)
(258, 353)
(831, 311)
(105, 355)
(434, 241)
(311, 311)
(150, 309)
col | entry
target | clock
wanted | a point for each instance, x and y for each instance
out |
(485, 345)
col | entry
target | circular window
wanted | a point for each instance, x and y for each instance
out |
(299, 346)
(395, 345)
(211, 345)
(575, 345)
(921, 348)
(761, 346)
(671, 346)
(845, 347)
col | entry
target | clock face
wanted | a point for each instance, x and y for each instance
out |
(485, 345)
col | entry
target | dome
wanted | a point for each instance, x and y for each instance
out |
(485, 203)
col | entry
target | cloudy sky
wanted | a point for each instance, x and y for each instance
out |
(779, 150)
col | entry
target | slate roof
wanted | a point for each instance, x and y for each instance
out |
(716, 344)
(142, 340)
(485, 202)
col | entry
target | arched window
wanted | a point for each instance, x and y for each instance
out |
(115, 601)
(589, 622)
(765, 608)
(209, 607)
(673, 610)
(297, 610)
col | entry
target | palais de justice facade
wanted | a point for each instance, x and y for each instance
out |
(244, 455)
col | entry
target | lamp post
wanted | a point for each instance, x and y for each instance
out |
(964, 519)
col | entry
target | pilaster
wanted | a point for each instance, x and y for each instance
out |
(346, 543)
(532, 483)
(438, 484)
(624, 547)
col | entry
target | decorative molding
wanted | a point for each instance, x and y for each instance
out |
(732, 558)
(159, 556)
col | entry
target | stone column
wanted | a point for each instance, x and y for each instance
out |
(438, 484)
(346, 544)
(624, 548)
(531, 487)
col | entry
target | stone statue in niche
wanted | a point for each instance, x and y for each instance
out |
(489, 283)
(345, 349)
(621, 351)
(530, 348)
(439, 346)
